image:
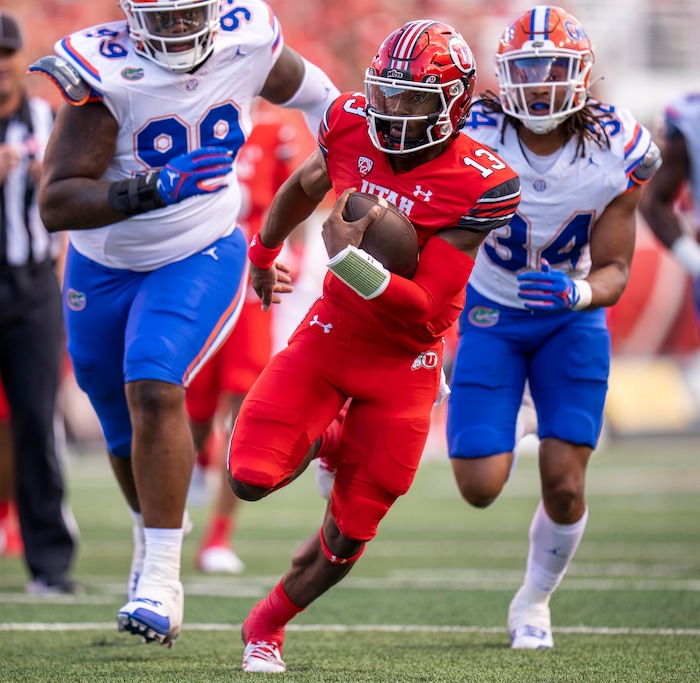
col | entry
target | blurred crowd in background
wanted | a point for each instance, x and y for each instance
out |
(645, 55)
(645, 50)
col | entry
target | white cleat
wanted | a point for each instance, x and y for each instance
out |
(262, 656)
(155, 613)
(217, 559)
(529, 624)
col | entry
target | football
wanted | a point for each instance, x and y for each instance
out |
(390, 238)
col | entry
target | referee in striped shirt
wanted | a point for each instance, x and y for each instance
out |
(31, 326)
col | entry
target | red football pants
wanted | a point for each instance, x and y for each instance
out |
(301, 391)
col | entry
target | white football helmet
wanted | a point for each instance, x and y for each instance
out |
(543, 65)
(175, 34)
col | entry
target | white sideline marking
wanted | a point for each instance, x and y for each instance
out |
(367, 628)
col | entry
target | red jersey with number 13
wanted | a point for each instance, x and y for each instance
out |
(467, 186)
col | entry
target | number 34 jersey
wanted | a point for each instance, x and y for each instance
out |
(162, 114)
(559, 205)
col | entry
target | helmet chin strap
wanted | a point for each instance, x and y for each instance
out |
(542, 127)
(408, 143)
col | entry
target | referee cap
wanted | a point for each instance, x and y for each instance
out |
(10, 32)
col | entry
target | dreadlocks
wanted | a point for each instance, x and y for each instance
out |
(587, 123)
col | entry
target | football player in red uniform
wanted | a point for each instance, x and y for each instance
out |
(373, 339)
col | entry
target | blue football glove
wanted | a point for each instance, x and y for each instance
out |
(547, 289)
(186, 174)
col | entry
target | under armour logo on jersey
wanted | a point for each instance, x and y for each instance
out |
(327, 327)
(364, 165)
(427, 359)
(211, 252)
(425, 194)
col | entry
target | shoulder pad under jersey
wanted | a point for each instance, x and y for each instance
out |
(63, 74)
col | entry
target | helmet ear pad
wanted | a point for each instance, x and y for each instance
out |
(419, 59)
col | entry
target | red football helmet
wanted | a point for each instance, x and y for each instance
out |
(175, 34)
(543, 65)
(418, 87)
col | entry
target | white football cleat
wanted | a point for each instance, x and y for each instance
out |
(529, 624)
(218, 559)
(262, 656)
(155, 613)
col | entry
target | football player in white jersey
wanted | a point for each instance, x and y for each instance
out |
(536, 299)
(680, 146)
(142, 174)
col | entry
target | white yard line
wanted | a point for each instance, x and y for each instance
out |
(367, 628)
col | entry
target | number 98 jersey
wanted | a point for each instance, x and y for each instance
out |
(162, 114)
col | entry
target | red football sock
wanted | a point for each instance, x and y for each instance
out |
(267, 620)
(9, 518)
(219, 531)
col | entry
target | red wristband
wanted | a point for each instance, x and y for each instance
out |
(261, 256)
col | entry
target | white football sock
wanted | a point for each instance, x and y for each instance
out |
(552, 547)
(163, 554)
(137, 529)
(138, 554)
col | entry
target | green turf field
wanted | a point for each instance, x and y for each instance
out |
(426, 603)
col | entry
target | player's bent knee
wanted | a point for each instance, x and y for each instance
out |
(562, 502)
(478, 498)
(245, 491)
(478, 495)
(481, 480)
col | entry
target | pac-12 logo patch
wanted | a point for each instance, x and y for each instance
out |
(364, 165)
(481, 316)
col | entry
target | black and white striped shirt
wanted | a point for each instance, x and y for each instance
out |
(23, 238)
